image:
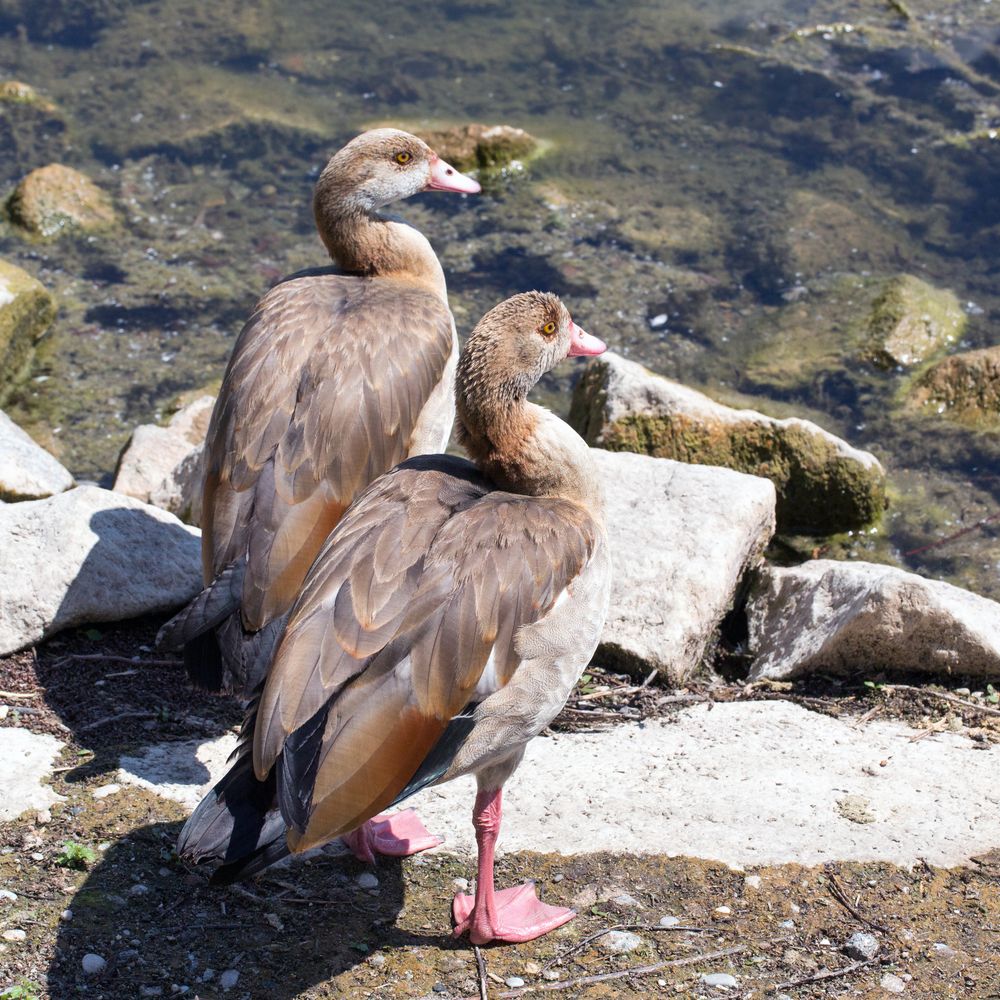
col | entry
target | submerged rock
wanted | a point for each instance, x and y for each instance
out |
(823, 484)
(861, 618)
(480, 147)
(910, 321)
(681, 539)
(162, 465)
(90, 555)
(965, 385)
(56, 199)
(26, 312)
(15, 92)
(27, 471)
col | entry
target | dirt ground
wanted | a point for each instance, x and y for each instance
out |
(311, 931)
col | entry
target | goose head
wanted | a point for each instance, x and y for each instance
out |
(384, 165)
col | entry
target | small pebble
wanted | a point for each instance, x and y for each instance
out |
(658, 320)
(624, 899)
(461, 884)
(669, 921)
(93, 964)
(15, 935)
(720, 979)
(861, 946)
(551, 975)
(37, 856)
(893, 984)
(7, 896)
(104, 791)
(942, 950)
(439, 988)
(228, 979)
(619, 942)
(366, 880)
(127, 955)
(139, 889)
(514, 981)
(207, 976)
(42, 817)
(377, 959)
(787, 924)
(532, 968)
(963, 692)
(722, 911)
(751, 882)
(558, 877)
(150, 991)
(66, 915)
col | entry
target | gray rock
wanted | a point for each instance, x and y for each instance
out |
(823, 484)
(514, 982)
(854, 617)
(229, 979)
(90, 555)
(29, 757)
(681, 539)
(27, 471)
(162, 465)
(942, 950)
(619, 942)
(861, 946)
(15, 934)
(720, 980)
(669, 921)
(366, 880)
(93, 964)
(893, 984)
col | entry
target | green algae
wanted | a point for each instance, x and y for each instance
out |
(27, 310)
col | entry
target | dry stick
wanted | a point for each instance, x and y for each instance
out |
(116, 718)
(580, 945)
(642, 970)
(123, 659)
(24, 709)
(634, 689)
(945, 697)
(19, 694)
(952, 537)
(481, 968)
(826, 974)
(840, 896)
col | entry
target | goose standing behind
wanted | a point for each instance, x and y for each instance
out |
(337, 376)
(442, 626)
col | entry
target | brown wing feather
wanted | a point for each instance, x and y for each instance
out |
(428, 573)
(321, 396)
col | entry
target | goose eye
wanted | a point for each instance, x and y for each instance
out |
(549, 329)
(403, 156)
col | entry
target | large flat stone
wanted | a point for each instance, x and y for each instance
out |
(90, 555)
(747, 783)
(27, 759)
(862, 618)
(27, 471)
(682, 537)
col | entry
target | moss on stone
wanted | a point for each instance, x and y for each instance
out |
(15, 92)
(965, 386)
(820, 491)
(56, 199)
(911, 321)
(480, 147)
(26, 312)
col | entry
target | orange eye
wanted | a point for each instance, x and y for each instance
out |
(549, 329)
(403, 156)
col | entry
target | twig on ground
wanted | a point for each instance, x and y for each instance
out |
(580, 945)
(954, 535)
(116, 718)
(869, 715)
(945, 697)
(642, 970)
(108, 658)
(837, 891)
(826, 974)
(28, 695)
(23, 709)
(481, 969)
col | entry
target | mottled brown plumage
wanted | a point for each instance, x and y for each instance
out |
(336, 377)
(441, 627)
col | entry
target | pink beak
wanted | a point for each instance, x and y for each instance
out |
(447, 178)
(582, 344)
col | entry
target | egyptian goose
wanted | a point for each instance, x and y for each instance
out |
(337, 376)
(442, 626)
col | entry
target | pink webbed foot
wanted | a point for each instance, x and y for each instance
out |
(397, 836)
(518, 915)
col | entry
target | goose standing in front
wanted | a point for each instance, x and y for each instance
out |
(337, 376)
(442, 626)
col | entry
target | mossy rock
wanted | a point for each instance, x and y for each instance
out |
(965, 386)
(26, 312)
(13, 92)
(56, 199)
(910, 322)
(824, 485)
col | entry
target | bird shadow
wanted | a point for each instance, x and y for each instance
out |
(160, 926)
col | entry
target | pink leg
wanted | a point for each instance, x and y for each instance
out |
(398, 836)
(514, 914)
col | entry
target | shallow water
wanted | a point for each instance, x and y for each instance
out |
(721, 165)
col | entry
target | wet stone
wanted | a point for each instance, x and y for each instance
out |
(55, 199)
